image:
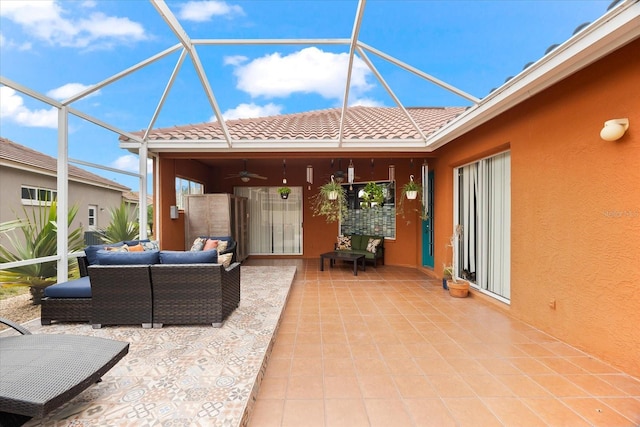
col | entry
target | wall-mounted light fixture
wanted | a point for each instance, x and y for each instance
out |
(173, 212)
(309, 176)
(392, 173)
(614, 129)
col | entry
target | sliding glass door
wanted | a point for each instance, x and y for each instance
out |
(483, 209)
(275, 224)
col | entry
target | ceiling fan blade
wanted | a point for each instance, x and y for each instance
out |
(255, 175)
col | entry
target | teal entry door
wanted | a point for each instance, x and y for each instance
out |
(427, 225)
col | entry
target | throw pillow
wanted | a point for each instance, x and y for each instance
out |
(123, 248)
(344, 243)
(136, 248)
(151, 246)
(225, 259)
(198, 244)
(372, 246)
(211, 244)
(222, 245)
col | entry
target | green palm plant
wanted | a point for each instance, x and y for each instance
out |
(39, 239)
(122, 227)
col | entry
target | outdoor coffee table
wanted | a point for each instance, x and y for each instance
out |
(345, 256)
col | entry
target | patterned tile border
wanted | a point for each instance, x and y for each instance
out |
(184, 376)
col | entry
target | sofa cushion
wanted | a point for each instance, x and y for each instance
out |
(123, 248)
(189, 257)
(128, 258)
(344, 243)
(78, 288)
(367, 254)
(90, 251)
(356, 242)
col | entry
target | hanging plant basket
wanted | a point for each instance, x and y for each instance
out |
(330, 201)
(284, 192)
(412, 194)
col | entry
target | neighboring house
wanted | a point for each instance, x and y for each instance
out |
(28, 179)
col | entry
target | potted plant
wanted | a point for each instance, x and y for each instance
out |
(330, 201)
(411, 191)
(284, 192)
(372, 195)
(457, 288)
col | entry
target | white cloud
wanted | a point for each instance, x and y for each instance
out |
(47, 20)
(131, 163)
(309, 70)
(12, 108)
(69, 90)
(249, 111)
(10, 44)
(203, 11)
(234, 60)
(365, 102)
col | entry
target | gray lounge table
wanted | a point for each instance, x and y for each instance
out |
(345, 256)
(40, 372)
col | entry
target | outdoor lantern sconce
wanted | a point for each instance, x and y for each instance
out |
(392, 173)
(309, 176)
(614, 129)
(173, 212)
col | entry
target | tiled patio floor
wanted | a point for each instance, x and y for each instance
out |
(390, 347)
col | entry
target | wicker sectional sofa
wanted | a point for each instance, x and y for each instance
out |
(149, 288)
(359, 243)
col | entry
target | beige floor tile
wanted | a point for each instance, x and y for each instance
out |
(341, 387)
(378, 386)
(512, 412)
(387, 412)
(305, 388)
(308, 413)
(553, 412)
(429, 412)
(346, 413)
(597, 412)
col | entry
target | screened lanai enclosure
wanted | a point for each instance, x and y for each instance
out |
(167, 72)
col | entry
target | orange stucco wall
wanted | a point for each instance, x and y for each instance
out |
(575, 231)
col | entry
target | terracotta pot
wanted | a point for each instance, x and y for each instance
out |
(459, 289)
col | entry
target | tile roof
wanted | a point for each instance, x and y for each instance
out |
(362, 123)
(134, 197)
(17, 153)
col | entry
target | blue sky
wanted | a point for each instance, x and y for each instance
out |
(59, 48)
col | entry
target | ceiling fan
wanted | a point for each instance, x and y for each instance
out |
(245, 175)
(341, 175)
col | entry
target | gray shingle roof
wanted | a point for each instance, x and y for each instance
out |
(16, 153)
